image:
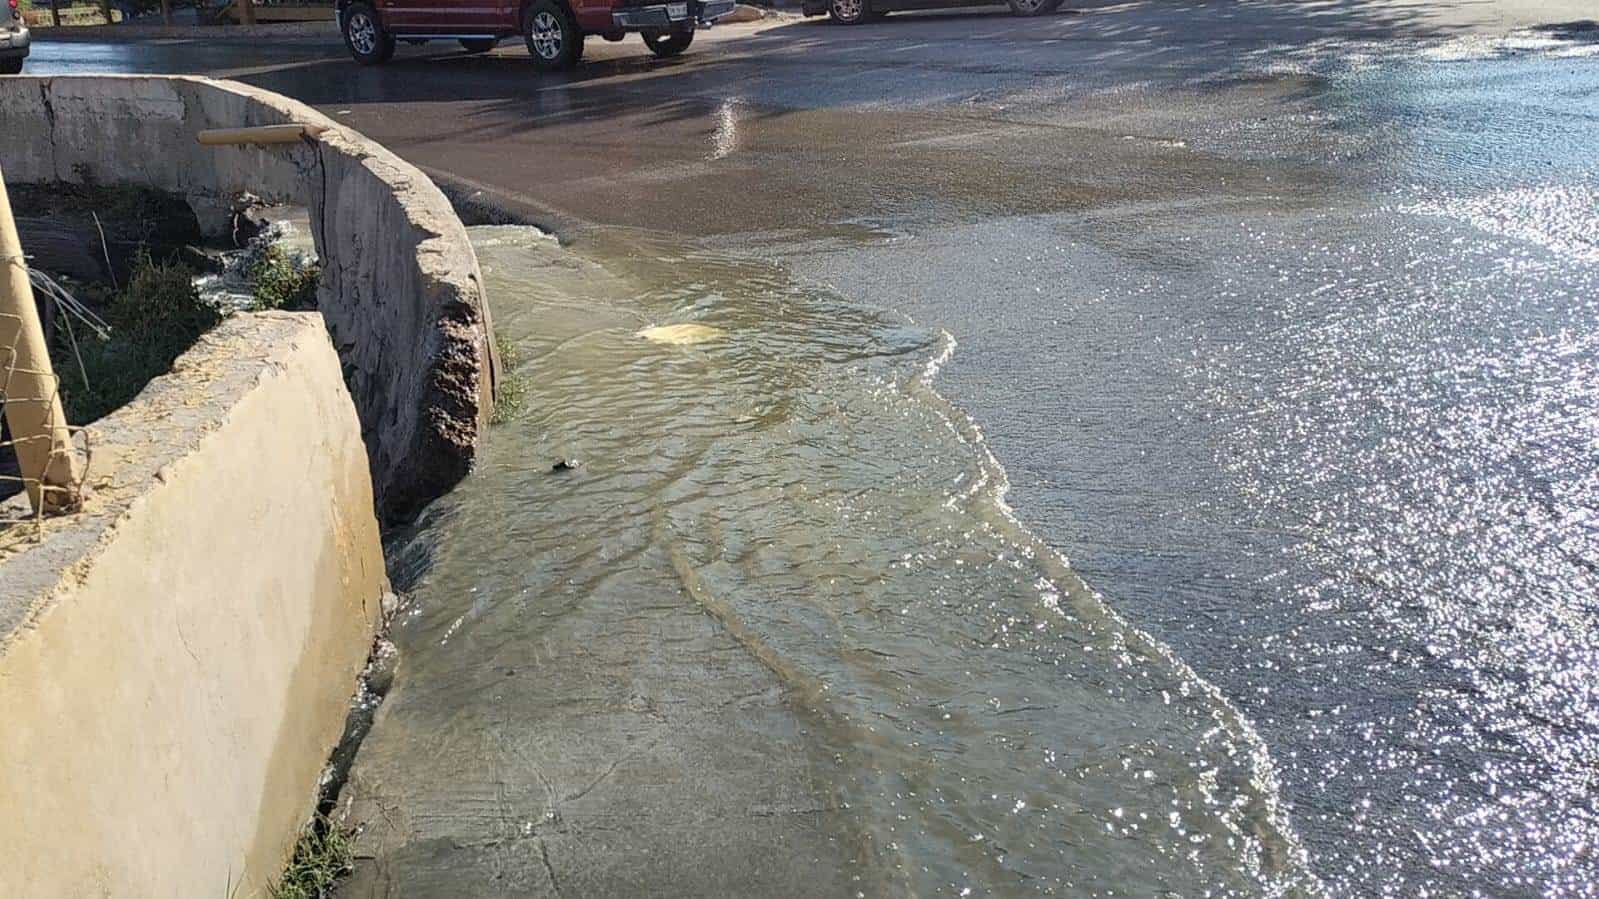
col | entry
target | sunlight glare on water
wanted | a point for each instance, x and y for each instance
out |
(1335, 441)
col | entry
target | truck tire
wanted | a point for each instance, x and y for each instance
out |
(553, 38)
(478, 44)
(364, 35)
(11, 66)
(669, 44)
(1033, 7)
(848, 12)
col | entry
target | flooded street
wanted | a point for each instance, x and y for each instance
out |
(785, 504)
(1343, 458)
(1280, 326)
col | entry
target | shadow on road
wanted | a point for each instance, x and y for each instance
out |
(905, 60)
(811, 62)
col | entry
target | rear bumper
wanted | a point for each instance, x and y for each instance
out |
(704, 12)
(14, 43)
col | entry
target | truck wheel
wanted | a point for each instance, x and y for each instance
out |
(11, 66)
(848, 12)
(553, 39)
(364, 35)
(1033, 7)
(478, 45)
(670, 43)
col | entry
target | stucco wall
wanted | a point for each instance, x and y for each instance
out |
(176, 661)
(401, 293)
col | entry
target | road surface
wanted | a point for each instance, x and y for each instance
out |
(1278, 315)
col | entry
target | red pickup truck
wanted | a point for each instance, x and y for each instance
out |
(554, 29)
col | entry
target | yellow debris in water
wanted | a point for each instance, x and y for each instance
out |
(681, 334)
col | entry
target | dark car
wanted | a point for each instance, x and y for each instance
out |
(854, 12)
(13, 39)
(553, 29)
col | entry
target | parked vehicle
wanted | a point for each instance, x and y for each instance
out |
(854, 12)
(14, 39)
(553, 29)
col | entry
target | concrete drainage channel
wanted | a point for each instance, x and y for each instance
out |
(178, 658)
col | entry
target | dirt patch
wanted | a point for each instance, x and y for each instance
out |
(96, 233)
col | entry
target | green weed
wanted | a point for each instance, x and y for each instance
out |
(323, 854)
(510, 391)
(279, 283)
(154, 321)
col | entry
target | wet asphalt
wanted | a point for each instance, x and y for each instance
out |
(1129, 216)
(925, 117)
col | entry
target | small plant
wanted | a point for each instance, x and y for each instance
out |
(154, 321)
(511, 388)
(162, 306)
(281, 283)
(323, 854)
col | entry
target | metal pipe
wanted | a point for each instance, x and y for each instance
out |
(263, 134)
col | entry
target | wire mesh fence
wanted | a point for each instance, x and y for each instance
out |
(43, 460)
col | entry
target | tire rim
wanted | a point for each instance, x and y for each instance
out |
(1029, 5)
(363, 33)
(850, 10)
(546, 35)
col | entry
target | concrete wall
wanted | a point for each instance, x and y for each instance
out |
(401, 293)
(176, 661)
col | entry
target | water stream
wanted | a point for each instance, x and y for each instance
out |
(791, 471)
(1331, 437)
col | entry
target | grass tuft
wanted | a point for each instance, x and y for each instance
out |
(157, 318)
(323, 854)
(510, 391)
(280, 283)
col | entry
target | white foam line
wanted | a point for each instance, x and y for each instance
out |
(1227, 715)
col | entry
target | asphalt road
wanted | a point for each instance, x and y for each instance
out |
(795, 123)
(1218, 272)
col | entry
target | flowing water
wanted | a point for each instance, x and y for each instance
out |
(787, 467)
(1336, 447)
(1326, 426)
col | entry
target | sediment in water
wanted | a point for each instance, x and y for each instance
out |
(778, 628)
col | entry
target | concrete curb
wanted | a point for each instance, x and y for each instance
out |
(743, 13)
(401, 293)
(178, 658)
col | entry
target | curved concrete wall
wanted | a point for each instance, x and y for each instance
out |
(401, 294)
(176, 660)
